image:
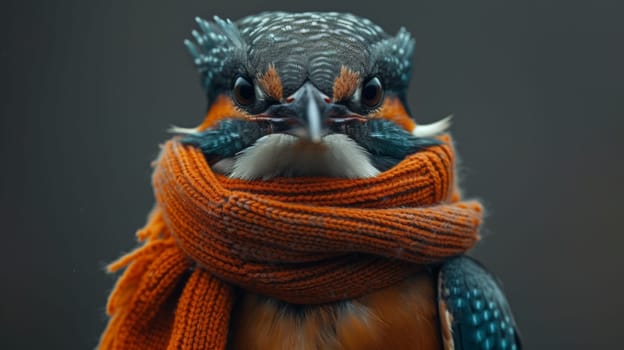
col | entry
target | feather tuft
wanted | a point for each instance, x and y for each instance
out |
(433, 129)
(182, 131)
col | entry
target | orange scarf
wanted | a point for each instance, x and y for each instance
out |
(302, 240)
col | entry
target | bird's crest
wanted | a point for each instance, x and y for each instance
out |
(216, 46)
(394, 57)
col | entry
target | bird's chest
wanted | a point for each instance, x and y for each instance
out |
(404, 316)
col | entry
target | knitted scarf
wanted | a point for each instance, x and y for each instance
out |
(301, 240)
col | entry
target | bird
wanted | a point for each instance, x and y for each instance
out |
(324, 94)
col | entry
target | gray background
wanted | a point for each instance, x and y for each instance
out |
(88, 88)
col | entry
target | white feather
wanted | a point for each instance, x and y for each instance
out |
(433, 129)
(182, 131)
(284, 155)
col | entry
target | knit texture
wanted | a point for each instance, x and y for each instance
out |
(301, 240)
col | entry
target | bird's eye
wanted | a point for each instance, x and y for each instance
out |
(243, 92)
(372, 92)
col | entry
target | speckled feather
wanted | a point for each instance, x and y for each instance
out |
(216, 53)
(475, 308)
(310, 45)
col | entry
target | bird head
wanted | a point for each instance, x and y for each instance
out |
(304, 94)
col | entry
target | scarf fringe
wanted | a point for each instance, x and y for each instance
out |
(145, 297)
(138, 318)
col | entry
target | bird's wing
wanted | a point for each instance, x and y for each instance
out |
(474, 312)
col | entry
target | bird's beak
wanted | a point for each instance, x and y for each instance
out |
(314, 101)
(306, 113)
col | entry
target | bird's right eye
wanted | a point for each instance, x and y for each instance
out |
(243, 92)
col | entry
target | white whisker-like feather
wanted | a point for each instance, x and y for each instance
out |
(182, 131)
(433, 129)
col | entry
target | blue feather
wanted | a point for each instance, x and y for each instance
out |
(229, 137)
(481, 317)
(387, 142)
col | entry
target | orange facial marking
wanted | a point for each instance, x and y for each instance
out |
(393, 110)
(345, 84)
(271, 83)
(223, 107)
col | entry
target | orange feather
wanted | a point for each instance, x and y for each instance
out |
(404, 316)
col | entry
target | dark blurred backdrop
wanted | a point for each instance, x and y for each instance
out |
(88, 89)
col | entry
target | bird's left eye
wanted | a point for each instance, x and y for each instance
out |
(372, 93)
(243, 92)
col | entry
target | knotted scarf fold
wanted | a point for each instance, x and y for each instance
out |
(301, 240)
